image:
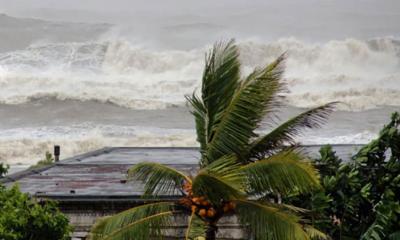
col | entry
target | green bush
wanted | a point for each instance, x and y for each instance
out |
(3, 169)
(360, 199)
(48, 160)
(22, 218)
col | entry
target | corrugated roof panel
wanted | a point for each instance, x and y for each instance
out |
(102, 173)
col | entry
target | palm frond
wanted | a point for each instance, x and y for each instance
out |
(374, 232)
(377, 230)
(220, 180)
(214, 188)
(98, 229)
(384, 218)
(267, 223)
(220, 77)
(286, 132)
(199, 112)
(315, 234)
(158, 178)
(284, 207)
(227, 168)
(139, 223)
(236, 124)
(283, 173)
(394, 236)
(220, 80)
(196, 228)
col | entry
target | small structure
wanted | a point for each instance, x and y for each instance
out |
(94, 184)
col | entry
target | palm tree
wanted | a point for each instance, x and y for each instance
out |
(241, 172)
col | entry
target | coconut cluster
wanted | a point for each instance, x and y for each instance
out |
(202, 206)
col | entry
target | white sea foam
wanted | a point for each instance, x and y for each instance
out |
(357, 138)
(361, 74)
(27, 145)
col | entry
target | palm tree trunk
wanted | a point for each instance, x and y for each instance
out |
(211, 232)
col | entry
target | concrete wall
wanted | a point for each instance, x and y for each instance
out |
(82, 221)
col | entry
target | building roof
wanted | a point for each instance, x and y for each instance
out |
(101, 174)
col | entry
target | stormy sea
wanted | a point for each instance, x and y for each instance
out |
(113, 76)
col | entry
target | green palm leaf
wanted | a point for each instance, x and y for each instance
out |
(227, 168)
(315, 234)
(220, 80)
(201, 120)
(215, 188)
(394, 236)
(267, 223)
(281, 173)
(286, 132)
(196, 228)
(256, 95)
(139, 223)
(220, 180)
(283, 206)
(158, 178)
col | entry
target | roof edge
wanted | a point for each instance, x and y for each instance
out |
(18, 175)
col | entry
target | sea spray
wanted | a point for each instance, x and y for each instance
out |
(361, 74)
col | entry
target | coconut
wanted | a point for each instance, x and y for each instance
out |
(194, 208)
(203, 212)
(196, 200)
(211, 212)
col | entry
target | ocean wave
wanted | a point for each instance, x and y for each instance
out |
(361, 74)
(28, 145)
(356, 138)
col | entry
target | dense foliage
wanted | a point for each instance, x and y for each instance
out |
(361, 198)
(238, 164)
(22, 218)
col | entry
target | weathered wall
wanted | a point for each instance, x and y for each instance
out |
(83, 220)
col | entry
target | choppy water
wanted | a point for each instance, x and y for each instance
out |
(115, 82)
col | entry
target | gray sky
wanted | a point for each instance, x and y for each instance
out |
(314, 20)
(338, 8)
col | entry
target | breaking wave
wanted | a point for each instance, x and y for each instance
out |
(361, 74)
(27, 145)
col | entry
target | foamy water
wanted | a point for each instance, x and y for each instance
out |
(24, 140)
(361, 74)
(122, 83)
(27, 145)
